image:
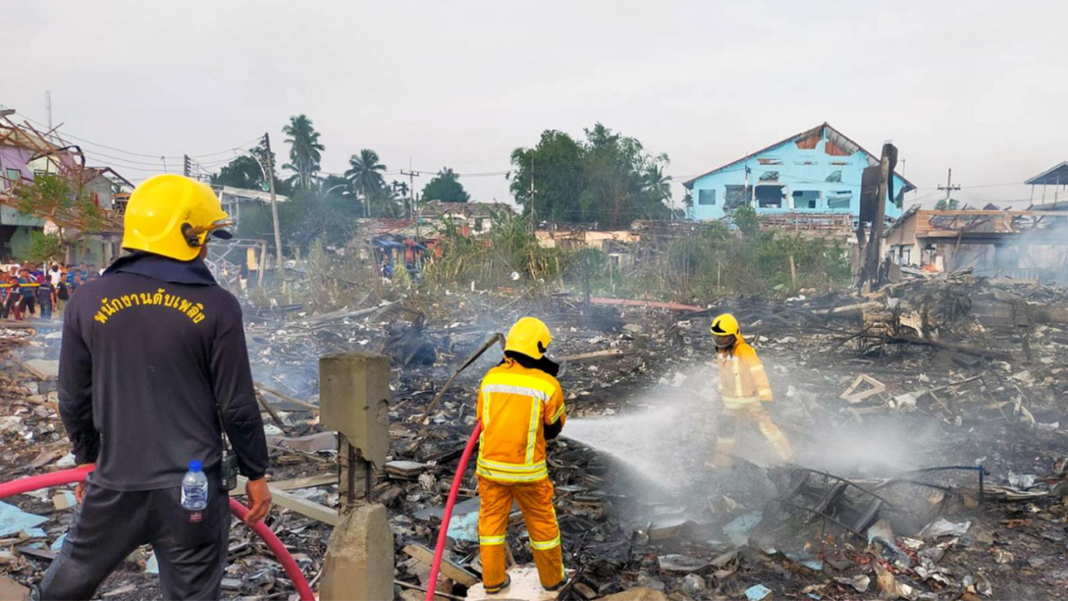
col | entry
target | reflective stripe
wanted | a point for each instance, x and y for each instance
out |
(532, 431)
(521, 390)
(511, 477)
(545, 545)
(559, 413)
(737, 376)
(521, 381)
(739, 402)
(485, 408)
(759, 367)
(491, 540)
(511, 467)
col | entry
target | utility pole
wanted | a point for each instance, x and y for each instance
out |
(533, 205)
(412, 214)
(48, 108)
(949, 187)
(274, 201)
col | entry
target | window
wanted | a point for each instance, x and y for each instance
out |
(736, 196)
(840, 199)
(806, 199)
(769, 196)
(769, 176)
(706, 197)
(835, 176)
(770, 161)
(11, 177)
(478, 224)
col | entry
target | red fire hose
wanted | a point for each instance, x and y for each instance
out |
(71, 476)
(446, 516)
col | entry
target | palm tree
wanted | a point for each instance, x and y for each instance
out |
(365, 175)
(305, 150)
(658, 183)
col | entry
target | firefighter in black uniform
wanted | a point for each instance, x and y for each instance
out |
(153, 368)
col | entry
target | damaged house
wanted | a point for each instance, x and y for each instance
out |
(1016, 244)
(813, 177)
(24, 155)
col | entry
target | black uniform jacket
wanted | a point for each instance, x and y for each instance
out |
(153, 362)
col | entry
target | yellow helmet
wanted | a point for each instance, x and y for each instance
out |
(171, 215)
(529, 336)
(724, 325)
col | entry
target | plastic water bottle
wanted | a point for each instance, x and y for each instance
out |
(195, 488)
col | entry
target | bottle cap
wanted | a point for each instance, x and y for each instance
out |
(195, 466)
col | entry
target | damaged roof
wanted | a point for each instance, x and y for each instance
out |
(838, 138)
(1054, 176)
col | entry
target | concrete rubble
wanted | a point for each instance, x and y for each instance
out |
(932, 460)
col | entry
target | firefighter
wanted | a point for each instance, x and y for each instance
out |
(744, 387)
(520, 406)
(153, 369)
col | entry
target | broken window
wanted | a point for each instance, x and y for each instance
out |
(840, 199)
(840, 163)
(770, 197)
(478, 224)
(834, 150)
(706, 197)
(835, 176)
(770, 161)
(806, 199)
(769, 176)
(736, 196)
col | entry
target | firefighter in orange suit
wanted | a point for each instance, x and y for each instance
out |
(744, 387)
(520, 406)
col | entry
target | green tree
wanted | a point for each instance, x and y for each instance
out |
(242, 172)
(608, 179)
(745, 217)
(445, 187)
(365, 176)
(556, 167)
(943, 205)
(305, 150)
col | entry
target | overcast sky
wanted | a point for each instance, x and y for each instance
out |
(974, 85)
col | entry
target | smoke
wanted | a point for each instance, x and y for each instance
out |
(667, 437)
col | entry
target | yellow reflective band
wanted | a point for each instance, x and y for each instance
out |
(737, 376)
(491, 540)
(511, 467)
(559, 413)
(520, 390)
(485, 409)
(764, 391)
(532, 430)
(519, 380)
(510, 477)
(545, 545)
(756, 368)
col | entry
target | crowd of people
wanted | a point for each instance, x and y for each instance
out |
(40, 290)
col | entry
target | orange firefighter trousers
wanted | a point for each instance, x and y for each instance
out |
(535, 500)
(755, 414)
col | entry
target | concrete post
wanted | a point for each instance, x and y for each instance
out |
(354, 401)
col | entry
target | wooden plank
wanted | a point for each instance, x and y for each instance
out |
(304, 507)
(448, 568)
(306, 482)
(593, 356)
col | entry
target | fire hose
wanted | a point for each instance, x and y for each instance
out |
(71, 476)
(446, 516)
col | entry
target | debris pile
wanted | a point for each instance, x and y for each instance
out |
(927, 417)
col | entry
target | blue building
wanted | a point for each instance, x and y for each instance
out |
(815, 171)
